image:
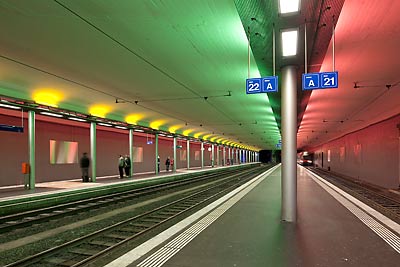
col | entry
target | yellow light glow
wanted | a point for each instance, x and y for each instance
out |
(197, 135)
(134, 118)
(212, 139)
(207, 136)
(99, 110)
(156, 124)
(174, 128)
(47, 96)
(187, 132)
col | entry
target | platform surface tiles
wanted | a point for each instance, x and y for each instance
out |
(245, 229)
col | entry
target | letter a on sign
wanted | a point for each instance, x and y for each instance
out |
(310, 81)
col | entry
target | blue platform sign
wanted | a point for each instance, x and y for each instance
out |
(329, 79)
(262, 85)
(270, 84)
(321, 80)
(253, 86)
(310, 81)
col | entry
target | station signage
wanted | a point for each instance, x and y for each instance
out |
(320, 80)
(262, 85)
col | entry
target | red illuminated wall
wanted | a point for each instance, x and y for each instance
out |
(110, 144)
(371, 154)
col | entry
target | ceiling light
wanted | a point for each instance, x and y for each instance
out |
(121, 127)
(52, 114)
(9, 106)
(104, 124)
(76, 119)
(289, 6)
(289, 43)
(139, 130)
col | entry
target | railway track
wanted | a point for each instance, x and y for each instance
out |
(90, 247)
(25, 219)
(386, 204)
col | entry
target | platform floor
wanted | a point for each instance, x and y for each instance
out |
(250, 232)
(18, 191)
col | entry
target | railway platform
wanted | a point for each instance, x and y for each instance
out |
(245, 229)
(43, 188)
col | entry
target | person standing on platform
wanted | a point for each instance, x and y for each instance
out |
(167, 163)
(172, 164)
(121, 165)
(127, 166)
(84, 164)
(158, 163)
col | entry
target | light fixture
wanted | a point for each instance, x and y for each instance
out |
(52, 114)
(121, 127)
(76, 119)
(139, 130)
(289, 42)
(104, 124)
(289, 6)
(9, 106)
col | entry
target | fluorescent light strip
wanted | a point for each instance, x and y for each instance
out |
(104, 124)
(76, 119)
(52, 114)
(289, 43)
(121, 127)
(289, 6)
(9, 106)
(139, 130)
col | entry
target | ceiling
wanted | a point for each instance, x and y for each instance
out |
(181, 66)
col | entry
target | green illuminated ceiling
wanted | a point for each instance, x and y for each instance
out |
(177, 59)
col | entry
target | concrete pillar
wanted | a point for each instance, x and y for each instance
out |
(188, 154)
(212, 156)
(202, 154)
(223, 156)
(289, 127)
(218, 163)
(158, 160)
(175, 161)
(93, 148)
(31, 137)
(131, 151)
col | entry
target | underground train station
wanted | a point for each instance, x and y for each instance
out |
(199, 133)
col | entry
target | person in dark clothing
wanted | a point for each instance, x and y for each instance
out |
(84, 163)
(167, 163)
(121, 165)
(127, 166)
(158, 164)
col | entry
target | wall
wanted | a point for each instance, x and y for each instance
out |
(370, 154)
(110, 144)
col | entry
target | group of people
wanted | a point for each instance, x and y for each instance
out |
(168, 163)
(124, 164)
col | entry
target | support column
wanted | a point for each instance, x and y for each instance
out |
(212, 156)
(158, 160)
(93, 150)
(32, 163)
(202, 154)
(223, 156)
(188, 154)
(289, 125)
(218, 163)
(175, 161)
(131, 151)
